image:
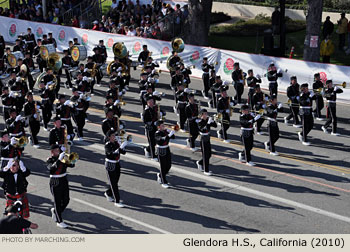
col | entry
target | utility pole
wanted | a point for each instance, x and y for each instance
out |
(44, 5)
(282, 28)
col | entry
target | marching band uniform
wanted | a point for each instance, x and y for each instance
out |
(174, 62)
(192, 112)
(176, 78)
(212, 78)
(224, 108)
(28, 61)
(36, 53)
(319, 98)
(143, 55)
(22, 88)
(247, 134)
(30, 109)
(238, 79)
(67, 63)
(8, 102)
(205, 77)
(204, 126)
(58, 185)
(181, 101)
(99, 59)
(56, 135)
(90, 65)
(274, 133)
(272, 76)
(307, 119)
(259, 103)
(65, 110)
(15, 125)
(113, 149)
(52, 40)
(111, 122)
(47, 97)
(9, 150)
(186, 72)
(162, 138)
(15, 186)
(251, 82)
(331, 96)
(30, 41)
(79, 112)
(293, 93)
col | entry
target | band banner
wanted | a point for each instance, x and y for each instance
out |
(192, 55)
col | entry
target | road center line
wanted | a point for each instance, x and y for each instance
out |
(121, 216)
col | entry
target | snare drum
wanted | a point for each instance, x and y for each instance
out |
(78, 53)
(13, 58)
(46, 50)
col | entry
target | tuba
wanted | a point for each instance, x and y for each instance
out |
(54, 61)
(119, 50)
(178, 45)
(41, 76)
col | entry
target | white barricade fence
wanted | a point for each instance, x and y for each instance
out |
(192, 55)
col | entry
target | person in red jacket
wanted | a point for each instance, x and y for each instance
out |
(96, 26)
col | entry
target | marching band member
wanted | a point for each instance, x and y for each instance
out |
(238, 79)
(57, 134)
(152, 64)
(89, 67)
(162, 138)
(75, 41)
(225, 105)
(143, 55)
(174, 62)
(212, 102)
(2, 46)
(12, 81)
(67, 63)
(205, 77)
(307, 119)
(259, 102)
(111, 122)
(113, 149)
(204, 125)
(52, 40)
(36, 53)
(79, 112)
(31, 111)
(247, 134)
(15, 124)
(155, 94)
(8, 101)
(58, 183)
(45, 40)
(293, 93)
(274, 133)
(99, 59)
(318, 84)
(181, 101)
(251, 82)
(47, 98)
(114, 105)
(186, 72)
(176, 78)
(15, 184)
(103, 50)
(272, 76)
(192, 112)
(9, 149)
(28, 61)
(18, 46)
(150, 117)
(331, 96)
(30, 41)
(65, 110)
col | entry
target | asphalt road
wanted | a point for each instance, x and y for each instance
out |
(304, 190)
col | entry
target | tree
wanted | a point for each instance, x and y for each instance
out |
(313, 30)
(196, 30)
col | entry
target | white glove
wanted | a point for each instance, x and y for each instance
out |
(252, 114)
(119, 69)
(280, 105)
(153, 71)
(336, 88)
(85, 70)
(47, 86)
(116, 151)
(279, 70)
(156, 93)
(161, 113)
(121, 126)
(266, 98)
(37, 107)
(227, 111)
(18, 79)
(124, 144)
(250, 121)
(210, 120)
(258, 76)
(12, 94)
(185, 80)
(298, 98)
(198, 120)
(312, 93)
(13, 141)
(187, 90)
(257, 117)
(116, 102)
(81, 96)
(171, 133)
(35, 116)
(18, 118)
(22, 167)
(232, 104)
(120, 93)
(61, 156)
(63, 148)
(85, 78)
(264, 106)
(68, 137)
(49, 83)
(119, 74)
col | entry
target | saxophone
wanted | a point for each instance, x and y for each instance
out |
(69, 158)
(66, 145)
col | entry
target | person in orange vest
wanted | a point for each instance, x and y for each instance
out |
(326, 50)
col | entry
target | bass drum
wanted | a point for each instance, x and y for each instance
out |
(46, 50)
(13, 58)
(78, 53)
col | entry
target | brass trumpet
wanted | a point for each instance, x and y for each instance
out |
(22, 142)
(343, 85)
(70, 158)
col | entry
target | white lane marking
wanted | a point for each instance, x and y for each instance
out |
(122, 216)
(293, 203)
